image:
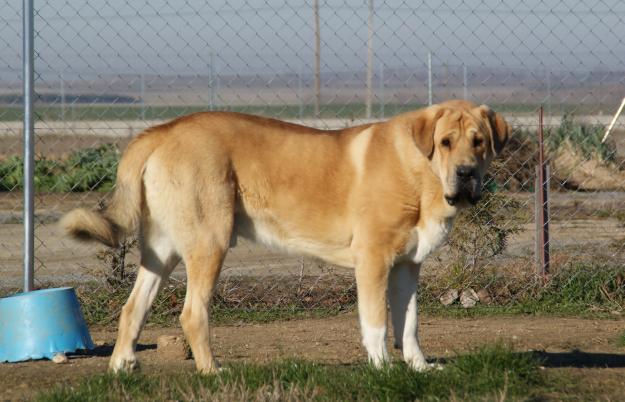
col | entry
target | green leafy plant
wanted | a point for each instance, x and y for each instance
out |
(91, 169)
(11, 174)
(583, 138)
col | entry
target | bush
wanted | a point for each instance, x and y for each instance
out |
(91, 169)
(483, 231)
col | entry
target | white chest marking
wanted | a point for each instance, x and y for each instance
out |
(358, 151)
(426, 238)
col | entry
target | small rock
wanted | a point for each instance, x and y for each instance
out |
(449, 297)
(484, 296)
(173, 347)
(99, 342)
(468, 298)
(60, 358)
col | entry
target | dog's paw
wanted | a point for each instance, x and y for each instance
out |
(123, 365)
(421, 366)
(210, 369)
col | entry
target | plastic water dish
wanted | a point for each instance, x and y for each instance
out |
(41, 324)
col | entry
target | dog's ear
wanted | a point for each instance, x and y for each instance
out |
(500, 130)
(423, 127)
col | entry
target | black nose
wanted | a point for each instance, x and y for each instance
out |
(465, 172)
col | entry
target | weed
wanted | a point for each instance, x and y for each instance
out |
(119, 272)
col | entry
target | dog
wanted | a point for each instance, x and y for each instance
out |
(378, 197)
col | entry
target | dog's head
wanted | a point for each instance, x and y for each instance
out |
(460, 139)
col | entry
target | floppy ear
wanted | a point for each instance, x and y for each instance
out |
(500, 130)
(423, 130)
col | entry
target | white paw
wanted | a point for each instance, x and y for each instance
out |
(379, 361)
(123, 365)
(210, 369)
(374, 340)
(420, 365)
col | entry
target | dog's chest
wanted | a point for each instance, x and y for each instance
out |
(426, 238)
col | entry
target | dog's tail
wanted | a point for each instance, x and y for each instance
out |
(121, 216)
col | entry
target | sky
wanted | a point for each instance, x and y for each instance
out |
(99, 37)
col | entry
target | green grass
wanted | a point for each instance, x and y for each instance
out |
(133, 112)
(488, 372)
(592, 291)
(620, 341)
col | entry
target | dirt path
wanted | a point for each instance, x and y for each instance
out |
(583, 348)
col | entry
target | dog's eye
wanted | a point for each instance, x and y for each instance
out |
(446, 143)
(477, 142)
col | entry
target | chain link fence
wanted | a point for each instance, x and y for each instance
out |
(107, 69)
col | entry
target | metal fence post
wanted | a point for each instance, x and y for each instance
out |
(381, 97)
(142, 89)
(369, 81)
(542, 207)
(211, 82)
(465, 83)
(29, 145)
(430, 78)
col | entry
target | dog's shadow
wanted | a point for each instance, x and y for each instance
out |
(579, 359)
(573, 359)
(106, 350)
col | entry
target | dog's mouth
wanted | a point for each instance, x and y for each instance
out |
(462, 199)
(465, 195)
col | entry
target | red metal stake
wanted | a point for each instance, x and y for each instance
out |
(542, 211)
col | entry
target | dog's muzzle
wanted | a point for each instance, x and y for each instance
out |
(468, 187)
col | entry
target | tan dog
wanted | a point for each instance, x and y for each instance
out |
(377, 197)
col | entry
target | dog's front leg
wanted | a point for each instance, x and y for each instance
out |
(403, 287)
(372, 282)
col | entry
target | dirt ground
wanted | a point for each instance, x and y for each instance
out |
(582, 348)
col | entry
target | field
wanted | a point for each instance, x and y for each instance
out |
(132, 111)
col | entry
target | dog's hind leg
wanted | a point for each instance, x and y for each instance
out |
(203, 263)
(158, 259)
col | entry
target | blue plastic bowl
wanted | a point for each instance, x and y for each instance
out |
(40, 324)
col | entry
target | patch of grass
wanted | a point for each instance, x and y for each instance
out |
(488, 372)
(582, 290)
(620, 341)
(596, 290)
(236, 300)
